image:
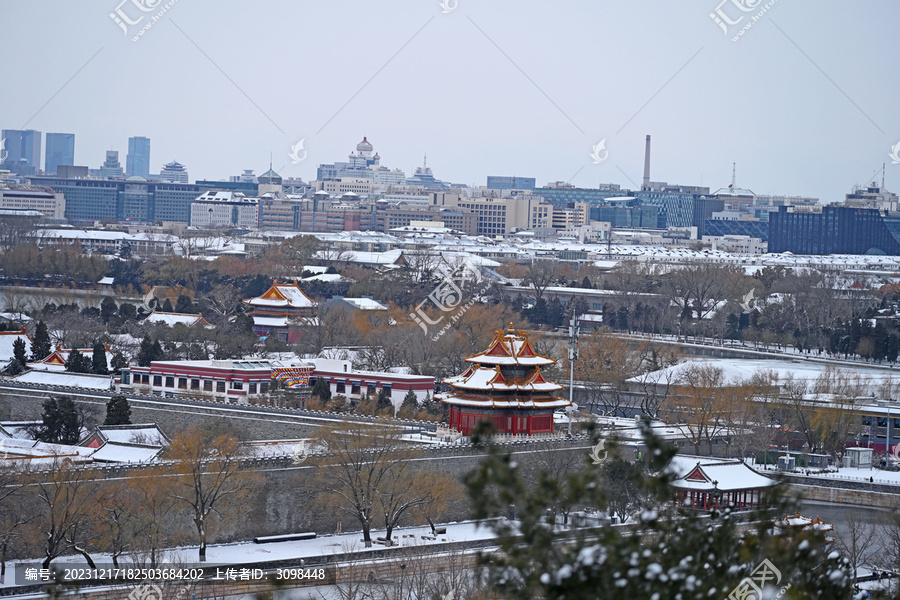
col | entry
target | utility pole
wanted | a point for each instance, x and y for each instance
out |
(573, 355)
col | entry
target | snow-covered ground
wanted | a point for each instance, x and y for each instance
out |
(872, 475)
(249, 552)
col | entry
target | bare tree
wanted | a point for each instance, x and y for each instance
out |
(541, 275)
(209, 479)
(68, 508)
(15, 512)
(856, 539)
(368, 473)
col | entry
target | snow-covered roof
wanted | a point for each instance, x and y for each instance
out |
(487, 401)
(710, 474)
(510, 348)
(125, 453)
(18, 429)
(142, 434)
(315, 270)
(172, 318)
(287, 295)
(7, 338)
(740, 369)
(327, 278)
(484, 378)
(365, 304)
(64, 378)
(270, 321)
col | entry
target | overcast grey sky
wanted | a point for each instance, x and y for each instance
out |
(805, 102)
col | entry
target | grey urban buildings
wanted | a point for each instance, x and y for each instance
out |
(496, 182)
(21, 150)
(122, 200)
(111, 168)
(137, 161)
(60, 151)
(174, 172)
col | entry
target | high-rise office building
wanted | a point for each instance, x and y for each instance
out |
(21, 150)
(137, 161)
(112, 168)
(833, 230)
(60, 151)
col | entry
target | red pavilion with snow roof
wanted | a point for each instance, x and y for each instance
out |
(278, 307)
(504, 384)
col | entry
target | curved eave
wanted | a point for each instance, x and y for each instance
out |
(502, 387)
(525, 361)
(547, 402)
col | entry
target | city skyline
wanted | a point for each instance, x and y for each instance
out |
(511, 89)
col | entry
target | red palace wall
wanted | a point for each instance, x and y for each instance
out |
(465, 422)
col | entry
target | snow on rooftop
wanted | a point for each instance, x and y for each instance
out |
(76, 380)
(365, 304)
(737, 369)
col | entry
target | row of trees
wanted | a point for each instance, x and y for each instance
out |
(64, 507)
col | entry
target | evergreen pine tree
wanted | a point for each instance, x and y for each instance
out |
(61, 423)
(127, 311)
(108, 308)
(145, 353)
(118, 411)
(119, 362)
(322, 390)
(40, 346)
(383, 402)
(184, 304)
(156, 351)
(19, 352)
(167, 306)
(78, 362)
(99, 365)
(410, 405)
(676, 553)
(150, 350)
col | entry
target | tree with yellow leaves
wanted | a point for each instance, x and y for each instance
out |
(208, 478)
(368, 471)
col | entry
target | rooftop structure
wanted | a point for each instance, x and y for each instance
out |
(7, 339)
(222, 380)
(277, 307)
(174, 172)
(171, 319)
(712, 484)
(504, 384)
(58, 358)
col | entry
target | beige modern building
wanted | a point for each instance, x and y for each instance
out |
(41, 198)
(498, 215)
(357, 185)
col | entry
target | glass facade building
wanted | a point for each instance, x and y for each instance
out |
(137, 161)
(120, 200)
(834, 230)
(756, 229)
(496, 182)
(60, 151)
(22, 149)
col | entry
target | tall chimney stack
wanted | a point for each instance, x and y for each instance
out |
(646, 185)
